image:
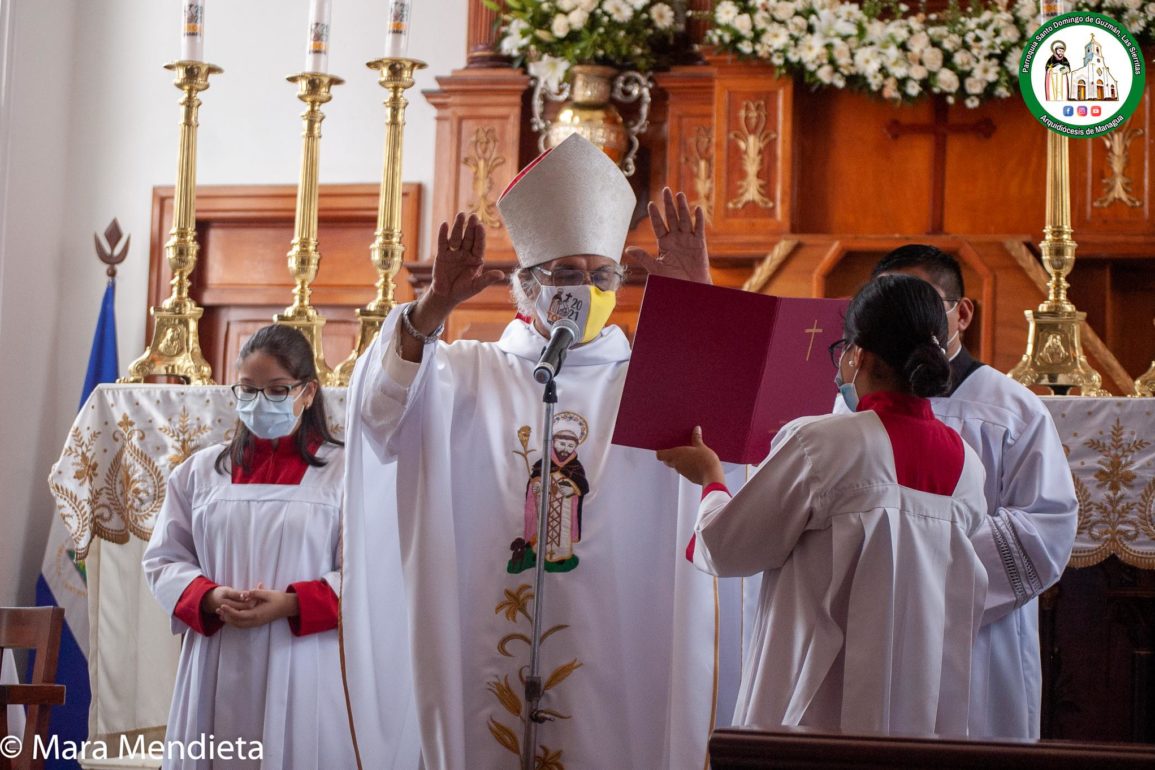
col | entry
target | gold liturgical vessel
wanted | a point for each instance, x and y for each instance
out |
(395, 75)
(175, 349)
(314, 89)
(1054, 356)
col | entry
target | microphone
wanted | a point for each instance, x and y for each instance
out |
(561, 337)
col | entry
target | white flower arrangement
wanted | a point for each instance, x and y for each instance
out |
(550, 35)
(970, 55)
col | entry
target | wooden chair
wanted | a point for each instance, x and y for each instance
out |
(38, 629)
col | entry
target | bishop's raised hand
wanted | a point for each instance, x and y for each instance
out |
(459, 267)
(681, 237)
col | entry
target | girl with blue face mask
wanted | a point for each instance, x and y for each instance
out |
(245, 557)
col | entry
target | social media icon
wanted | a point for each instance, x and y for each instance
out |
(1068, 111)
(1082, 111)
(1096, 111)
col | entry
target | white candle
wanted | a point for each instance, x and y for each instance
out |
(397, 29)
(317, 49)
(192, 30)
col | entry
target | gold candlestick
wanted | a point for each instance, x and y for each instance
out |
(394, 75)
(304, 257)
(1054, 356)
(175, 349)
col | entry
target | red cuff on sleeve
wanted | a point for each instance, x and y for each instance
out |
(188, 607)
(317, 607)
(715, 487)
(690, 547)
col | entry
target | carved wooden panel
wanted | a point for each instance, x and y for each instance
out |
(689, 139)
(753, 150)
(479, 147)
(242, 275)
(1111, 176)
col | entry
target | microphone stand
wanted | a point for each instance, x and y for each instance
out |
(533, 691)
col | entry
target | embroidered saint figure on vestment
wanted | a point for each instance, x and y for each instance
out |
(567, 489)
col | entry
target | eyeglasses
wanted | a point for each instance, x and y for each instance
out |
(950, 303)
(605, 278)
(836, 349)
(272, 392)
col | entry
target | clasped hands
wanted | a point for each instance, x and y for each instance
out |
(249, 609)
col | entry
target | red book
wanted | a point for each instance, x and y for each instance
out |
(739, 364)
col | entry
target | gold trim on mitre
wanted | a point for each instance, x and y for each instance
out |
(569, 200)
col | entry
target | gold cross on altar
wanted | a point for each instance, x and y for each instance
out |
(811, 331)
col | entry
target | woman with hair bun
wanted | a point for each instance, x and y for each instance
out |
(872, 593)
(245, 557)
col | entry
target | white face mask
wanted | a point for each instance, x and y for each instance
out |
(949, 342)
(268, 419)
(847, 389)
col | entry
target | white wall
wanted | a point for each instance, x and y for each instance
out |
(94, 129)
(34, 179)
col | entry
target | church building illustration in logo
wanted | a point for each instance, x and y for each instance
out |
(1091, 82)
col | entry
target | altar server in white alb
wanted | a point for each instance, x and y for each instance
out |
(1026, 538)
(245, 557)
(860, 524)
(628, 657)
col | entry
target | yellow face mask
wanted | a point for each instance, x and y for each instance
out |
(587, 306)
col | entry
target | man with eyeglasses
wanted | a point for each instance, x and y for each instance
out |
(445, 441)
(1032, 510)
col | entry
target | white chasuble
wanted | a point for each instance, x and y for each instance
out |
(256, 684)
(628, 658)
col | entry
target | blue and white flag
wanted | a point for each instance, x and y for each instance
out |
(62, 580)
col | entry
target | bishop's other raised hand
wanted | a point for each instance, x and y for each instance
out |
(681, 239)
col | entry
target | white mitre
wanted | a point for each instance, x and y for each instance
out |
(569, 200)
